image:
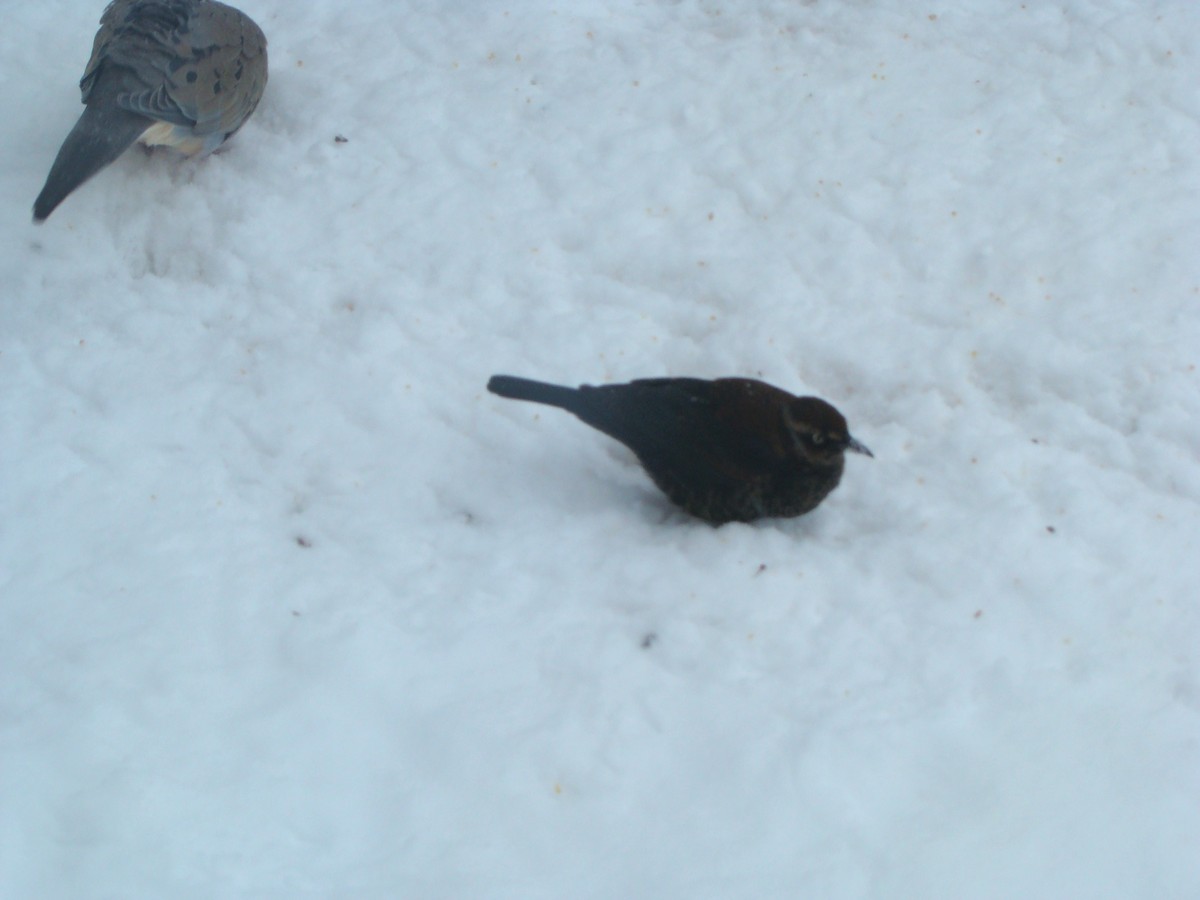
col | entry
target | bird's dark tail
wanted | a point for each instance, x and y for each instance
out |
(102, 134)
(534, 391)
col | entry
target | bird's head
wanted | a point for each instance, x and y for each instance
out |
(819, 432)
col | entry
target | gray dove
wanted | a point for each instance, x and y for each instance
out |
(180, 73)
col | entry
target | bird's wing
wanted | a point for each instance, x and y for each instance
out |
(721, 423)
(685, 421)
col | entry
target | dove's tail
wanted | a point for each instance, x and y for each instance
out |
(101, 135)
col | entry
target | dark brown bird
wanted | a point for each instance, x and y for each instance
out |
(729, 450)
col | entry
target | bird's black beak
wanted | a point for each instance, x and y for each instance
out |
(852, 444)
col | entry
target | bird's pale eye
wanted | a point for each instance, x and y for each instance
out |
(818, 438)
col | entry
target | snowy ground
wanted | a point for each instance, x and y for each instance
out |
(291, 607)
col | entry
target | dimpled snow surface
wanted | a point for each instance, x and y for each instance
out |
(290, 606)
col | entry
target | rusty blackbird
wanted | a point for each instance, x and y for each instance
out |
(726, 450)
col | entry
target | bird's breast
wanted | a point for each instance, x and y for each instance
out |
(186, 141)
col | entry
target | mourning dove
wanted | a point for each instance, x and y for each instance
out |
(180, 73)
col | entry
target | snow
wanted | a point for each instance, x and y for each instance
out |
(290, 606)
